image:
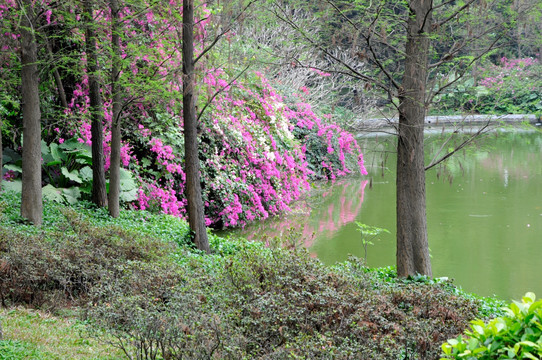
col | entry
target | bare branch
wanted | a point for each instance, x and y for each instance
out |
(342, 14)
(462, 74)
(459, 147)
(215, 40)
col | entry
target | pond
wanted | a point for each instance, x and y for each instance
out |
(484, 213)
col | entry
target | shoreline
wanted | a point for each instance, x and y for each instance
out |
(436, 123)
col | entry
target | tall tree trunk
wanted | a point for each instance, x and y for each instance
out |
(412, 245)
(114, 169)
(99, 193)
(196, 217)
(31, 200)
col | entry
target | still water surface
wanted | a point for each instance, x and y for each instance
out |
(484, 214)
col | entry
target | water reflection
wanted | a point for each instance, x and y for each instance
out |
(322, 215)
(484, 210)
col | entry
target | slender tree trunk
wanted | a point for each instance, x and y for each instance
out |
(58, 79)
(99, 193)
(412, 245)
(1, 156)
(196, 217)
(114, 169)
(31, 200)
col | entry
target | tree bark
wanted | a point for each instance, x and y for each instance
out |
(99, 193)
(412, 244)
(114, 169)
(31, 197)
(196, 217)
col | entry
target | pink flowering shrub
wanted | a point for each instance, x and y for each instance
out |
(258, 152)
(514, 86)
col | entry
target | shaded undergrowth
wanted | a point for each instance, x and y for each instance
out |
(141, 288)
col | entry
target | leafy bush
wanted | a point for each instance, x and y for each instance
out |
(60, 267)
(510, 87)
(267, 303)
(157, 301)
(17, 350)
(516, 335)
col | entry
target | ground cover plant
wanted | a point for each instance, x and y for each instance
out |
(151, 295)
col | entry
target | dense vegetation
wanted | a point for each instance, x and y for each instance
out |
(258, 151)
(141, 286)
(268, 125)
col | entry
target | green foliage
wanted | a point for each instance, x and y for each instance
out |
(68, 261)
(368, 233)
(68, 170)
(511, 87)
(145, 295)
(516, 335)
(18, 350)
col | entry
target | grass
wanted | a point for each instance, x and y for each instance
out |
(37, 335)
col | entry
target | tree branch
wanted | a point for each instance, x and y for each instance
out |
(215, 40)
(459, 147)
(218, 92)
(455, 13)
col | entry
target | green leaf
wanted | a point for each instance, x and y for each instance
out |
(15, 185)
(86, 174)
(52, 193)
(529, 297)
(528, 355)
(453, 342)
(446, 348)
(479, 329)
(500, 324)
(44, 148)
(13, 167)
(72, 175)
(54, 163)
(127, 182)
(57, 154)
(145, 162)
(128, 196)
(72, 195)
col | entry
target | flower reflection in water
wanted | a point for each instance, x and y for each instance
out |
(320, 216)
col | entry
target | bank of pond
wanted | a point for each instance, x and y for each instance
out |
(484, 212)
(85, 286)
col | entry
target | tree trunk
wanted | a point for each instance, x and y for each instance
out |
(196, 217)
(99, 193)
(1, 157)
(114, 168)
(31, 200)
(58, 79)
(412, 245)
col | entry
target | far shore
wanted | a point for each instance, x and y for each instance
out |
(437, 123)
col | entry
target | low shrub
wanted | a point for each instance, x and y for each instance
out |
(154, 299)
(18, 350)
(267, 303)
(60, 266)
(516, 335)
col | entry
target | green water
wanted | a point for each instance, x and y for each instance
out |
(484, 214)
